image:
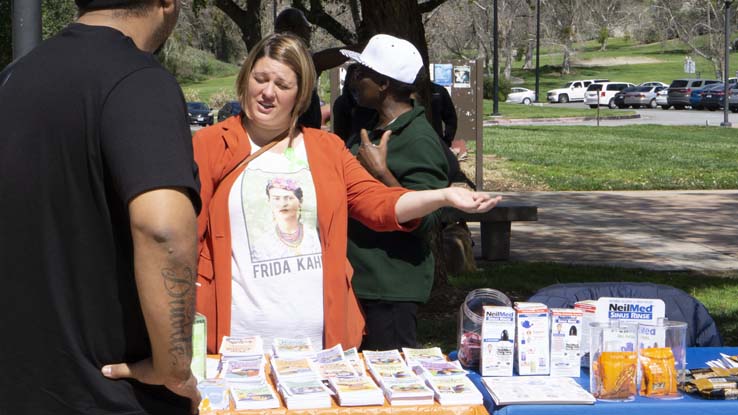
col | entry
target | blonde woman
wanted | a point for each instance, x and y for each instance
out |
(307, 295)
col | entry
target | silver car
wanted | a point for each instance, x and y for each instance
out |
(643, 96)
(520, 95)
(733, 100)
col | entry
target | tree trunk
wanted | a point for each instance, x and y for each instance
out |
(248, 19)
(566, 63)
(531, 31)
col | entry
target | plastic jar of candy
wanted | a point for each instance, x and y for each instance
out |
(471, 315)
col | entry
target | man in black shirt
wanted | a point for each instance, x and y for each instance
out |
(98, 215)
(444, 114)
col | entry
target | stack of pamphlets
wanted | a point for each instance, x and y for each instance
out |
(242, 362)
(254, 395)
(357, 390)
(240, 347)
(455, 390)
(299, 383)
(537, 390)
(413, 357)
(332, 364)
(351, 388)
(244, 369)
(352, 355)
(400, 385)
(448, 380)
(214, 394)
(292, 348)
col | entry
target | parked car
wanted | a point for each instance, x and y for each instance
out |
(619, 98)
(643, 96)
(712, 98)
(199, 113)
(230, 108)
(603, 93)
(695, 98)
(662, 99)
(572, 91)
(654, 83)
(520, 95)
(681, 89)
(733, 100)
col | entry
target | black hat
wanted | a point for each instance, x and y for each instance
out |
(104, 4)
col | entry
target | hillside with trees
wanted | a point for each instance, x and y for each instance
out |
(223, 30)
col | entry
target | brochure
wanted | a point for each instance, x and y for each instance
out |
(537, 390)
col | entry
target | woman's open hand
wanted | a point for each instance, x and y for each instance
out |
(469, 201)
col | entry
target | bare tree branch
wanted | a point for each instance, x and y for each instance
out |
(317, 16)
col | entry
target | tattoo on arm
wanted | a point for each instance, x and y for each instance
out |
(181, 291)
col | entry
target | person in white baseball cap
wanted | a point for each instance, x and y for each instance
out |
(393, 272)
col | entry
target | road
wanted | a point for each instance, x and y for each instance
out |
(652, 116)
(648, 116)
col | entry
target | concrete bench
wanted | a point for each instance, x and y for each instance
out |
(495, 225)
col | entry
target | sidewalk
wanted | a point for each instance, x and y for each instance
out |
(657, 230)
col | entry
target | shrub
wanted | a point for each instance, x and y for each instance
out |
(191, 95)
(219, 98)
(503, 88)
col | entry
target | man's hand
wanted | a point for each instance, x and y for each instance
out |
(374, 157)
(468, 201)
(143, 371)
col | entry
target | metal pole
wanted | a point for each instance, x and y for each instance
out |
(479, 125)
(26, 26)
(495, 64)
(726, 122)
(538, 48)
(274, 10)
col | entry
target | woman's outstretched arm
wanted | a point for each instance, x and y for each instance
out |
(418, 204)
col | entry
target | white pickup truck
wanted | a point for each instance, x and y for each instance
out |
(572, 91)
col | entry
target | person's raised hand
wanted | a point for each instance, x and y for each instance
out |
(143, 371)
(469, 201)
(374, 156)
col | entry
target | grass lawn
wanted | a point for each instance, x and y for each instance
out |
(548, 111)
(212, 86)
(438, 320)
(618, 63)
(638, 157)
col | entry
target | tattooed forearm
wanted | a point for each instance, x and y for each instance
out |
(181, 291)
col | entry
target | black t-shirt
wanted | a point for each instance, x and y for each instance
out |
(89, 122)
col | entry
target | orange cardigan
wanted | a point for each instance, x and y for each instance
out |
(342, 188)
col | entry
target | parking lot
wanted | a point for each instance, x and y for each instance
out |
(654, 116)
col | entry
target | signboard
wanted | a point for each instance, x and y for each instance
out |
(689, 66)
(443, 74)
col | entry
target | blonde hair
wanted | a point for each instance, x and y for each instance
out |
(289, 50)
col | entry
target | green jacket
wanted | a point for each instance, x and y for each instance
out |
(399, 266)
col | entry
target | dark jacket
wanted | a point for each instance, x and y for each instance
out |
(444, 114)
(397, 266)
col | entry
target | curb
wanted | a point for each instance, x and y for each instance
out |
(518, 121)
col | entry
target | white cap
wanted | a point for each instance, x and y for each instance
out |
(393, 57)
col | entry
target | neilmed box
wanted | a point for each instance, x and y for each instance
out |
(588, 309)
(628, 310)
(498, 335)
(566, 326)
(531, 338)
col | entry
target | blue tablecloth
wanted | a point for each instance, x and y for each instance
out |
(696, 358)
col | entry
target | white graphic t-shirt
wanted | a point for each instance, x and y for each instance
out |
(277, 288)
